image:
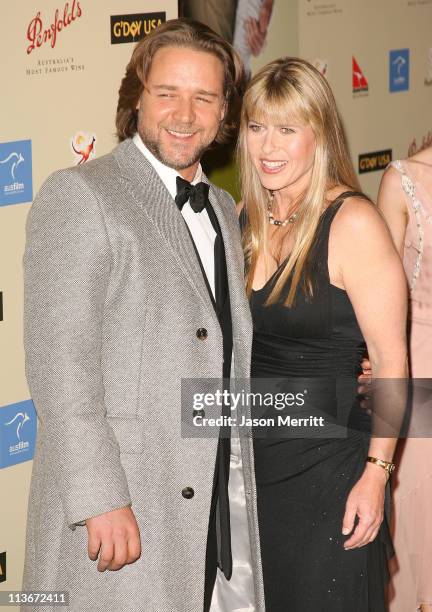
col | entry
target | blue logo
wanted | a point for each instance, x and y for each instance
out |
(16, 185)
(399, 70)
(17, 433)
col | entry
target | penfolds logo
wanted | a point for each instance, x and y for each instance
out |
(38, 34)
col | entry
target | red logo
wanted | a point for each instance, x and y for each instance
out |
(83, 146)
(359, 79)
(38, 36)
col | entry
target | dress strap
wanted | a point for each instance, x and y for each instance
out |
(409, 188)
(350, 194)
(397, 164)
(407, 183)
(332, 209)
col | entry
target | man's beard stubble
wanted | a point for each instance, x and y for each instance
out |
(155, 147)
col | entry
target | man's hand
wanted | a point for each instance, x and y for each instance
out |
(256, 29)
(114, 537)
(365, 380)
(366, 375)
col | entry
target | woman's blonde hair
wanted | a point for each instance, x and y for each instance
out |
(291, 90)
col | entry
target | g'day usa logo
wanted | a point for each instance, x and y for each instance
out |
(399, 70)
(16, 185)
(372, 162)
(17, 433)
(131, 28)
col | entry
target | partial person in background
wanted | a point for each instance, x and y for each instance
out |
(244, 23)
(324, 280)
(219, 15)
(405, 198)
(252, 22)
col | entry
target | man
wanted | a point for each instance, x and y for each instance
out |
(133, 281)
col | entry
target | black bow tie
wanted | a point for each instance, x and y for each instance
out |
(196, 194)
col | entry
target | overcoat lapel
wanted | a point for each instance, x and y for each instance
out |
(151, 195)
(240, 314)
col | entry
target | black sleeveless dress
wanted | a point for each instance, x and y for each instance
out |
(303, 482)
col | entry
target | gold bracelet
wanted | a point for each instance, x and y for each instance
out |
(388, 466)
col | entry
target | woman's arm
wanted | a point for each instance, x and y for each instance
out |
(391, 202)
(364, 261)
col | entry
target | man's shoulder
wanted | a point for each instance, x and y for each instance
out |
(97, 169)
(93, 173)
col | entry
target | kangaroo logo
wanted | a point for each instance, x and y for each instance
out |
(16, 159)
(20, 418)
(81, 149)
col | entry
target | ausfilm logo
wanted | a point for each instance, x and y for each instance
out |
(18, 426)
(16, 185)
(41, 32)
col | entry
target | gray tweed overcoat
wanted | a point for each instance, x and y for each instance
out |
(114, 296)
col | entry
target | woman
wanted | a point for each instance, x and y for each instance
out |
(323, 276)
(405, 198)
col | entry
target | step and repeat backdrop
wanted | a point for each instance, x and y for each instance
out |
(61, 70)
(378, 58)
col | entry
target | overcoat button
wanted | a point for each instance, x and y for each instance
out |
(202, 333)
(188, 492)
(200, 413)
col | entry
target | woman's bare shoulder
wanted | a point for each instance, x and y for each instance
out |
(391, 197)
(424, 156)
(357, 214)
(391, 179)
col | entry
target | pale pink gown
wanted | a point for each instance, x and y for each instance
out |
(411, 570)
